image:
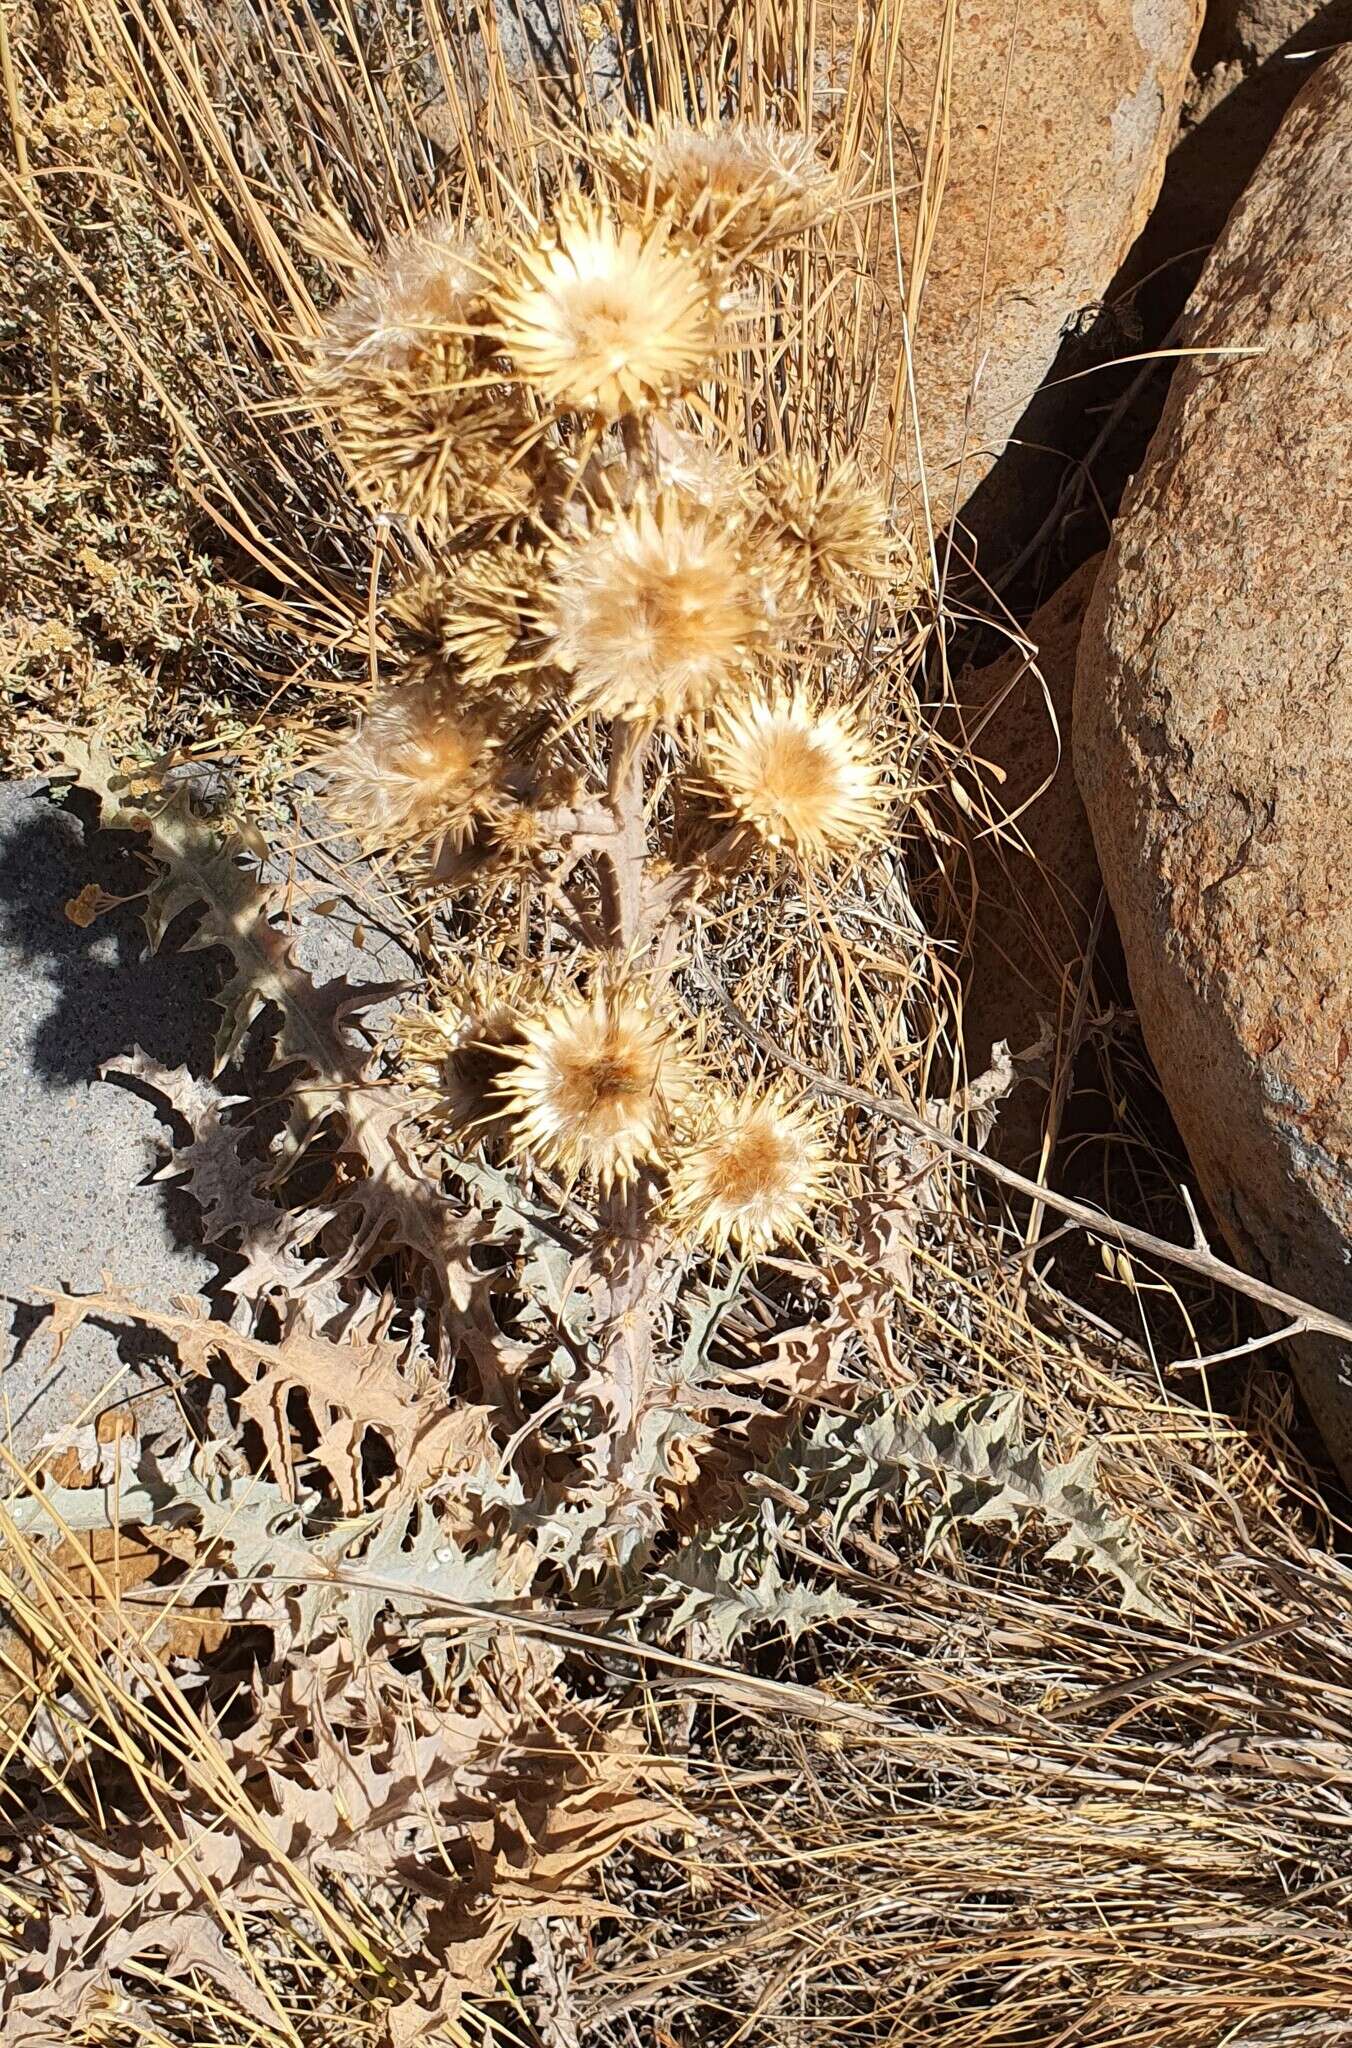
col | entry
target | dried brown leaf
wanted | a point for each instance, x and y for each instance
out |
(348, 1387)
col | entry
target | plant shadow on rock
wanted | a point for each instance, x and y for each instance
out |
(106, 991)
(78, 995)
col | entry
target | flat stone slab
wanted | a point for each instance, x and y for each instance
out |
(77, 1149)
(74, 1198)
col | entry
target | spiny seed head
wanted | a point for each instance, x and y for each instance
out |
(518, 834)
(426, 294)
(404, 375)
(605, 318)
(751, 1176)
(799, 775)
(828, 533)
(740, 185)
(441, 454)
(683, 462)
(656, 612)
(415, 772)
(432, 444)
(471, 623)
(591, 1087)
(454, 1054)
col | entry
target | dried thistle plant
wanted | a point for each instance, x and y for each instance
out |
(523, 1281)
(561, 701)
(571, 1338)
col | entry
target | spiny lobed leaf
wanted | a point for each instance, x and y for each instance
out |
(474, 1814)
(967, 1461)
(963, 1459)
(283, 1562)
(204, 867)
(211, 1165)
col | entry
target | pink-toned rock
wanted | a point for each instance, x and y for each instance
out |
(1213, 729)
(1061, 117)
(1035, 901)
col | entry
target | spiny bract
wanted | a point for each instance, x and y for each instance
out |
(471, 622)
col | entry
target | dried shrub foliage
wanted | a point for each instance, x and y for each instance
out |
(651, 1559)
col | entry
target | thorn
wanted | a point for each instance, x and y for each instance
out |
(1199, 1242)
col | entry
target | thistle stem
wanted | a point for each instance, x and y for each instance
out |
(623, 862)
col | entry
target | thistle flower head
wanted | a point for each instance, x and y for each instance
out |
(605, 318)
(454, 1054)
(656, 612)
(518, 835)
(471, 623)
(414, 772)
(425, 296)
(683, 462)
(740, 185)
(403, 373)
(752, 1176)
(590, 1088)
(829, 533)
(799, 775)
(434, 449)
